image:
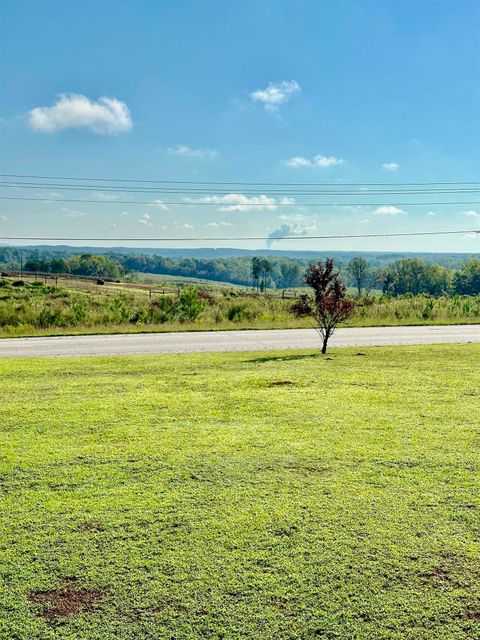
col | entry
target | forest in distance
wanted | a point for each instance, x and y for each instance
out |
(431, 274)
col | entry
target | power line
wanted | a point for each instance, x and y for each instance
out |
(223, 239)
(217, 182)
(189, 190)
(246, 204)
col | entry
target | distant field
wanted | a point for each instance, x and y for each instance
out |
(79, 307)
(158, 279)
(259, 496)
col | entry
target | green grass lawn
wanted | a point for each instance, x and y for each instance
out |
(242, 496)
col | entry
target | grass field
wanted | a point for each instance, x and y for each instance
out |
(255, 496)
(161, 278)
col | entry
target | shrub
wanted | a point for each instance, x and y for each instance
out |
(189, 306)
(239, 312)
(48, 318)
(162, 310)
(206, 295)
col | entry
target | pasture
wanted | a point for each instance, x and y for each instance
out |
(258, 496)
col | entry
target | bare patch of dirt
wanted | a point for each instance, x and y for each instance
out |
(90, 526)
(472, 614)
(446, 570)
(281, 383)
(70, 598)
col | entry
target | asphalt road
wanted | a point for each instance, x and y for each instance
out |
(208, 341)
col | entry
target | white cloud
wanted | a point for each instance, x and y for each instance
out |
(326, 161)
(74, 111)
(4, 218)
(389, 210)
(290, 230)
(72, 214)
(296, 217)
(145, 220)
(390, 166)
(159, 204)
(188, 152)
(298, 161)
(431, 214)
(276, 94)
(221, 223)
(471, 214)
(183, 225)
(317, 161)
(239, 202)
(124, 214)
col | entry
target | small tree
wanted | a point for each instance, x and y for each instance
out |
(266, 269)
(189, 305)
(256, 271)
(359, 270)
(329, 304)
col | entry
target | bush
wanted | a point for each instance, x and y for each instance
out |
(189, 306)
(162, 310)
(239, 312)
(48, 318)
(206, 295)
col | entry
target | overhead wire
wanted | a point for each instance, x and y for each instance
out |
(241, 238)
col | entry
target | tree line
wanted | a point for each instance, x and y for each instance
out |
(402, 276)
(414, 276)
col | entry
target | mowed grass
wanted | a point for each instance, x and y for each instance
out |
(254, 495)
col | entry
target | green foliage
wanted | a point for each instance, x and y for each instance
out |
(189, 305)
(239, 312)
(81, 265)
(467, 280)
(35, 308)
(204, 499)
(359, 270)
(414, 276)
(432, 274)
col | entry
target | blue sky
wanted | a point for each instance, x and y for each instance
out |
(336, 92)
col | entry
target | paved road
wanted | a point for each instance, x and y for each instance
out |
(205, 341)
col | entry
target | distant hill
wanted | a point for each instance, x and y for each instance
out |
(377, 258)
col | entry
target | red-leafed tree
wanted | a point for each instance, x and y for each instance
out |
(329, 304)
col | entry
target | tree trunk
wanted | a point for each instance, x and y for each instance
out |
(324, 345)
(325, 337)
